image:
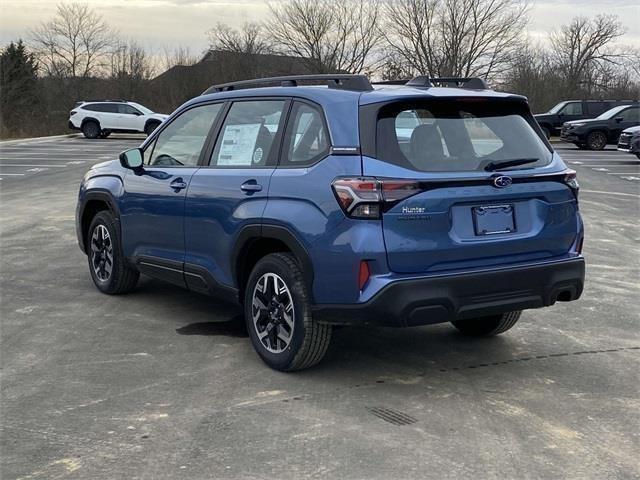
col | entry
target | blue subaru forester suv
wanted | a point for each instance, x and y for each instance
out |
(401, 204)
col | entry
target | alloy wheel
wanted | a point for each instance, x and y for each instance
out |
(597, 141)
(101, 253)
(273, 312)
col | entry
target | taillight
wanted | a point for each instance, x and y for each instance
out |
(367, 197)
(571, 180)
(72, 113)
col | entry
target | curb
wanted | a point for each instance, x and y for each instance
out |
(38, 139)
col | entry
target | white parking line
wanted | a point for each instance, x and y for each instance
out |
(20, 165)
(623, 173)
(4, 174)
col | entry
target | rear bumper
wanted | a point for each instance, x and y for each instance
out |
(72, 126)
(428, 300)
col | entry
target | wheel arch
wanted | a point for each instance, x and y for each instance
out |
(93, 203)
(90, 119)
(150, 121)
(256, 241)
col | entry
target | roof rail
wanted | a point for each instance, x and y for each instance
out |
(102, 100)
(340, 81)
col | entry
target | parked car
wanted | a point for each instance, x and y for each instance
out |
(313, 207)
(629, 141)
(98, 119)
(596, 133)
(552, 121)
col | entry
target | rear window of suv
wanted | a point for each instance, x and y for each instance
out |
(458, 135)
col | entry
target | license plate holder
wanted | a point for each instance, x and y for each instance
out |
(494, 219)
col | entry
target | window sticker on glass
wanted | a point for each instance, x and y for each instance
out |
(238, 143)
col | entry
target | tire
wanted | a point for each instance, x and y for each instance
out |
(91, 130)
(547, 132)
(285, 341)
(596, 140)
(150, 127)
(103, 244)
(638, 156)
(488, 326)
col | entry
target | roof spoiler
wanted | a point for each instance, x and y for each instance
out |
(424, 81)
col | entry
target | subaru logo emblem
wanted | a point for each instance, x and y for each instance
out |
(502, 181)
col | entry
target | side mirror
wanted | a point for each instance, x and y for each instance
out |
(132, 159)
(619, 119)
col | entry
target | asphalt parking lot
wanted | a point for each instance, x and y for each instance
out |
(164, 384)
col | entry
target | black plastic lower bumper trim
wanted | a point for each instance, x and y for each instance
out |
(464, 295)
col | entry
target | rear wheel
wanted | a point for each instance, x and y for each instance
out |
(109, 270)
(278, 315)
(487, 326)
(596, 140)
(91, 130)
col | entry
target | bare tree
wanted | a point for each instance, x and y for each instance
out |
(178, 57)
(581, 49)
(249, 39)
(455, 37)
(131, 68)
(74, 43)
(329, 36)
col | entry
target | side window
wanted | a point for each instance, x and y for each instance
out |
(573, 108)
(128, 109)
(181, 142)
(95, 107)
(630, 115)
(307, 139)
(247, 135)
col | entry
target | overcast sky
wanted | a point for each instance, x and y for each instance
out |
(167, 23)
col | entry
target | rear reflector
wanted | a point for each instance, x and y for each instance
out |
(363, 274)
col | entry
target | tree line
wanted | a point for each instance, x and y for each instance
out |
(76, 55)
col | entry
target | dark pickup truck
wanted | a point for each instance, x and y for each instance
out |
(569, 110)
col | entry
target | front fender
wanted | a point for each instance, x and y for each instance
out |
(97, 191)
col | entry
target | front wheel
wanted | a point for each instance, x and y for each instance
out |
(91, 130)
(487, 326)
(596, 140)
(109, 269)
(278, 315)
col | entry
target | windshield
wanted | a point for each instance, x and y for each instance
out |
(611, 113)
(440, 136)
(143, 109)
(558, 107)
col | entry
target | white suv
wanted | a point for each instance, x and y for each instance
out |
(98, 119)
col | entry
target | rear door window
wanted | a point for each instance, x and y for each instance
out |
(248, 134)
(439, 136)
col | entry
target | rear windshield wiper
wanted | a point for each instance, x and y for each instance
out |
(499, 165)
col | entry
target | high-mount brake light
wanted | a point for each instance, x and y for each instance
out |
(367, 197)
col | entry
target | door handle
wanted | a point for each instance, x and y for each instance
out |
(250, 186)
(178, 184)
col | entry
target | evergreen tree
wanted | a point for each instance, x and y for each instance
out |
(18, 87)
